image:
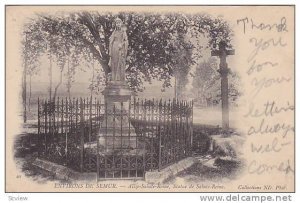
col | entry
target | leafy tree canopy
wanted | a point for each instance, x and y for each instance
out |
(206, 81)
(159, 44)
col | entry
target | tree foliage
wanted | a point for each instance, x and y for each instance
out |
(207, 82)
(183, 60)
(158, 46)
(205, 76)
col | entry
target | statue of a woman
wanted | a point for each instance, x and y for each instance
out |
(118, 46)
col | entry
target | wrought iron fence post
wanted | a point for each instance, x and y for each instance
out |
(98, 109)
(90, 118)
(38, 116)
(81, 134)
(39, 129)
(46, 126)
(159, 134)
(191, 123)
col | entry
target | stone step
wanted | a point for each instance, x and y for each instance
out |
(62, 172)
(170, 171)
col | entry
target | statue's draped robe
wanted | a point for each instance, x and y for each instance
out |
(118, 52)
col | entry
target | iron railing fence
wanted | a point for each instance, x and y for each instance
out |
(115, 140)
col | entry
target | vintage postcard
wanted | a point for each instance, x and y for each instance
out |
(150, 98)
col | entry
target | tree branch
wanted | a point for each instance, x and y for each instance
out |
(60, 82)
(87, 20)
(97, 55)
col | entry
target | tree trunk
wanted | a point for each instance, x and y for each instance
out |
(69, 80)
(24, 92)
(29, 100)
(175, 88)
(93, 76)
(59, 83)
(50, 76)
(25, 83)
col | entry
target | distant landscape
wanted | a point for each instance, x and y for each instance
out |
(41, 90)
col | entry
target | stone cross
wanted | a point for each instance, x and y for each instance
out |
(222, 53)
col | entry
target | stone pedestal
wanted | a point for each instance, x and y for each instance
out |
(116, 91)
(117, 134)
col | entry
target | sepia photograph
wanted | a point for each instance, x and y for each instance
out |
(150, 98)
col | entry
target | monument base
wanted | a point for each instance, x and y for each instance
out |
(117, 133)
(117, 91)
